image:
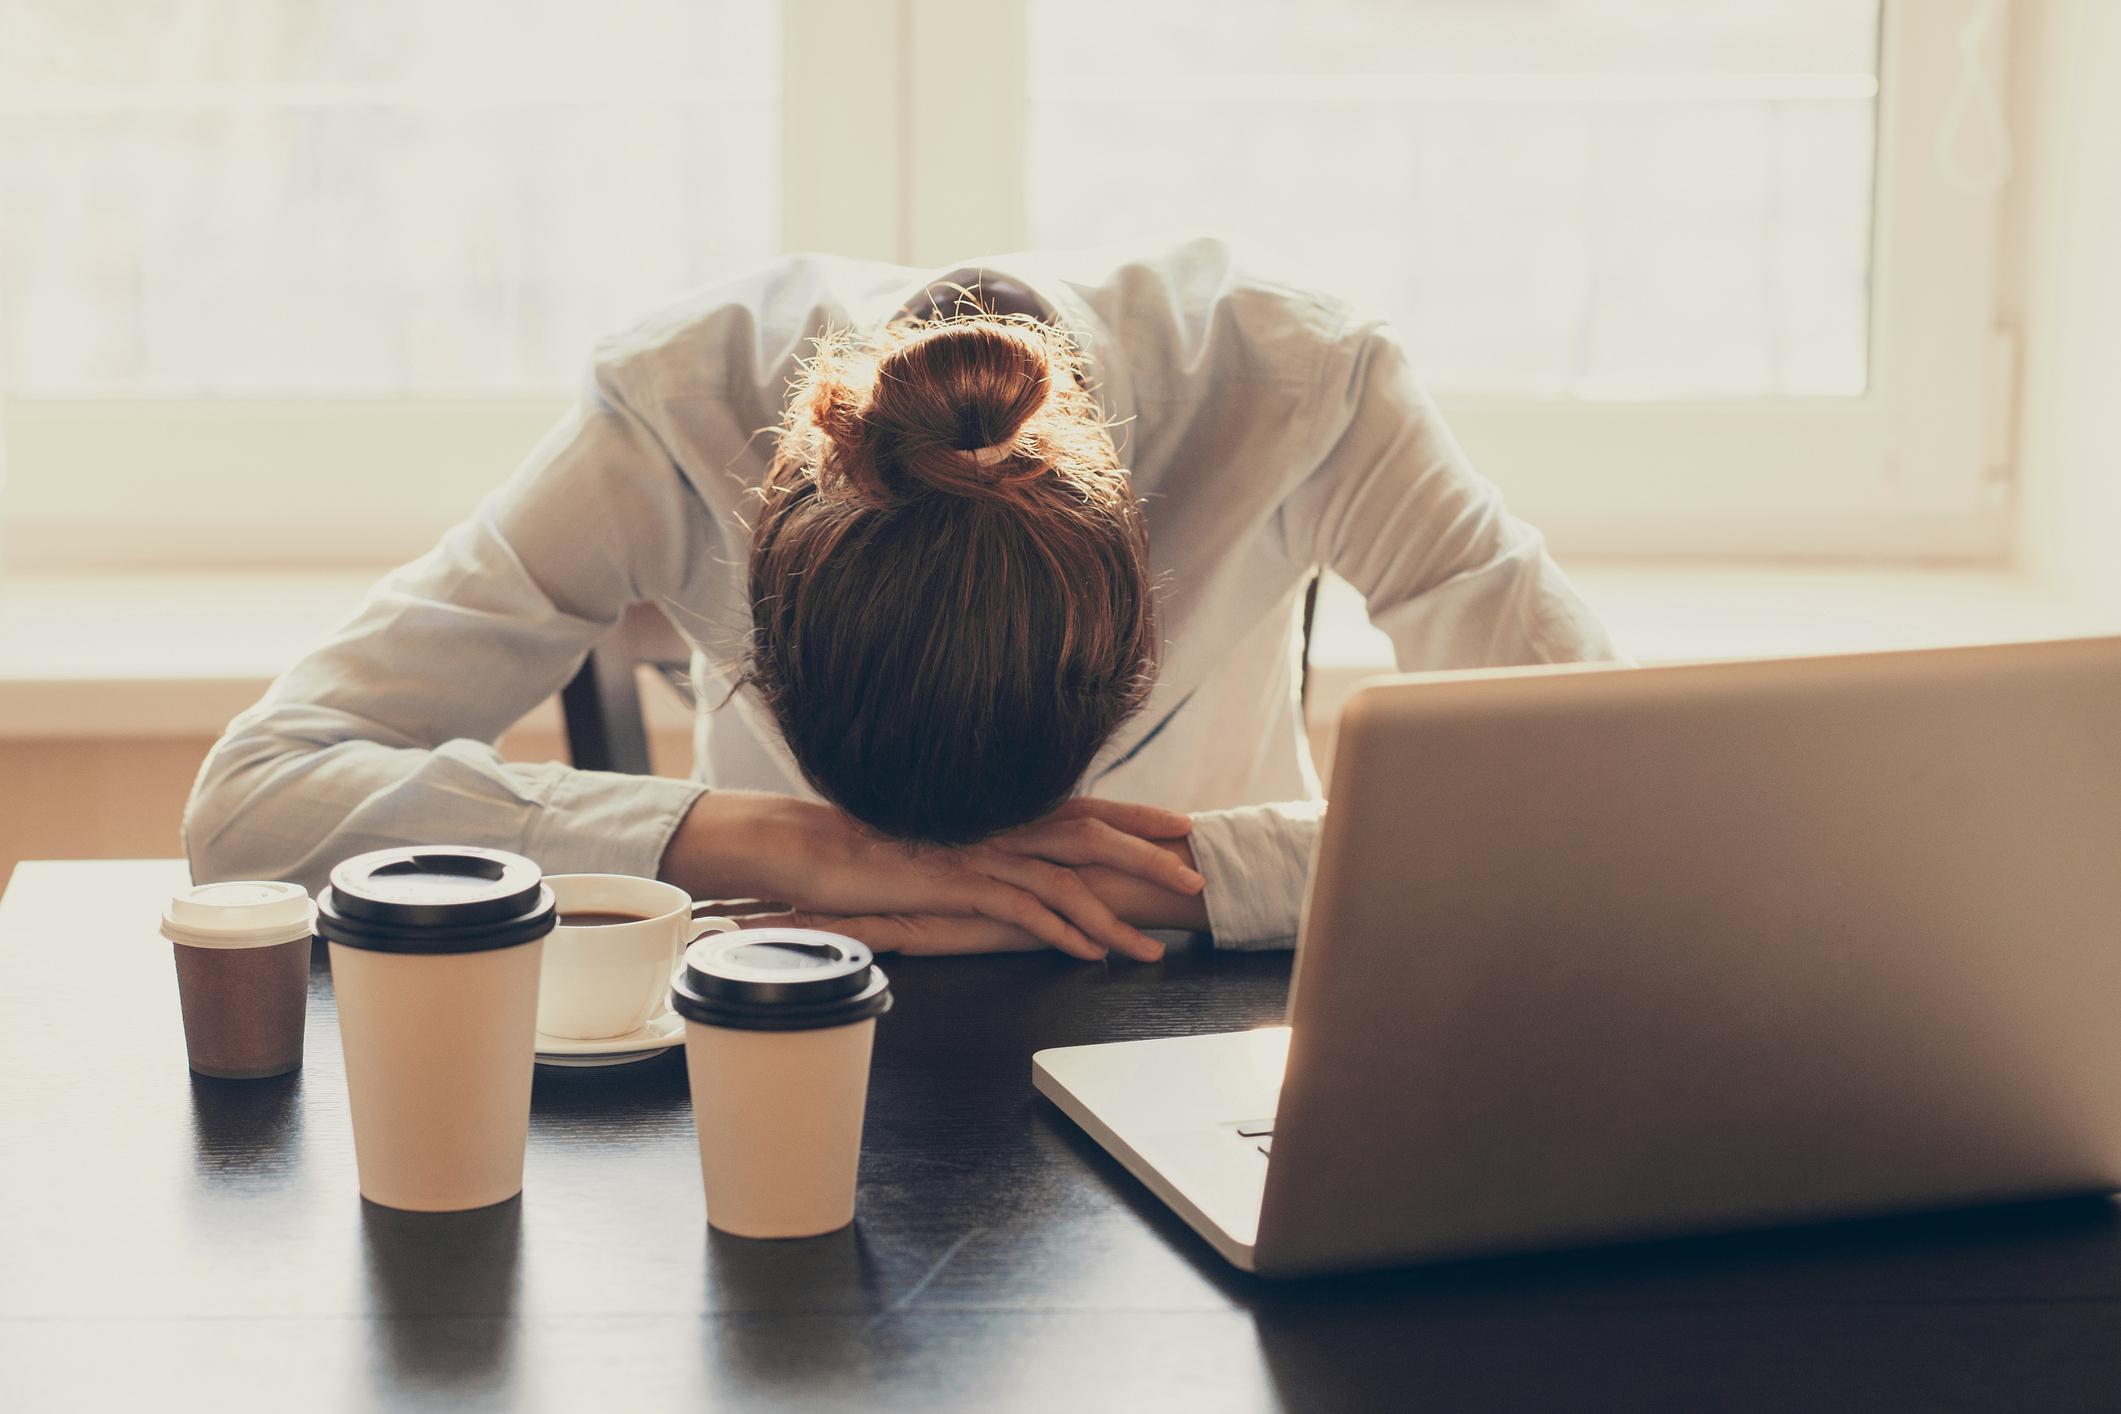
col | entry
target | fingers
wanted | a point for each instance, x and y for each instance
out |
(931, 935)
(1056, 888)
(1149, 822)
(918, 934)
(1008, 903)
(927, 934)
(1085, 841)
(989, 883)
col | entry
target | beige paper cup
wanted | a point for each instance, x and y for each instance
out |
(778, 1115)
(435, 959)
(779, 1026)
(440, 1053)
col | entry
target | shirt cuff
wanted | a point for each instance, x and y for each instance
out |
(1257, 861)
(608, 822)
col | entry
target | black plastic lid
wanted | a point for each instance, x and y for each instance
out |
(779, 979)
(435, 899)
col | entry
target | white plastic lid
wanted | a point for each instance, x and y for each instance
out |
(245, 914)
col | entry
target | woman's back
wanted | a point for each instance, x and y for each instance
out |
(1267, 432)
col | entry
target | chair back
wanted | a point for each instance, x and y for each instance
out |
(601, 705)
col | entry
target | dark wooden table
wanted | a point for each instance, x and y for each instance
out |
(175, 1242)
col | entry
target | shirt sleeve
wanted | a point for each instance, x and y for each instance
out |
(384, 735)
(1257, 861)
(1396, 509)
(1454, 580)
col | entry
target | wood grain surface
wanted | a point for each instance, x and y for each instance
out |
(174, 1242)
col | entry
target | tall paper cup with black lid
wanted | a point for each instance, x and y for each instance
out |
(779, 1023)
(435, 954)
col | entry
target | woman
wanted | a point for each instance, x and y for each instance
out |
(1031, 542)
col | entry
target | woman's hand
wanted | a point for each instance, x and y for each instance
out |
(933, 935)
(916, 934)
(1030, 880)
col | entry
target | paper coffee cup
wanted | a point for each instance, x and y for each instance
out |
(434, 959)
(610, 979)
(779, 1024)
(242, 955)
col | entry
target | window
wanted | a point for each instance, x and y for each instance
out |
(1636, 199)
(1688, 279)
(350, 197)
(265, 257)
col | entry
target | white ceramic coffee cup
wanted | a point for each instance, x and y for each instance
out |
(609, 979)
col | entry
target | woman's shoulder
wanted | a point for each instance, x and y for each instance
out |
(740, 337)
(1196, 307)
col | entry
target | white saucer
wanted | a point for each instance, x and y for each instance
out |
(663, 1031)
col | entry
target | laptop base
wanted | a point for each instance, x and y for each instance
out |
(1171, 1110)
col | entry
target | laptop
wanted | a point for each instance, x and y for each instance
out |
(1598, 954)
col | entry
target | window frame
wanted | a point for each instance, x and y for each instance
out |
(1916, 466)
(926, 167)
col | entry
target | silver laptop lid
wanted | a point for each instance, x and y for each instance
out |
(1593, 954)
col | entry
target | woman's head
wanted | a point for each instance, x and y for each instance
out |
(949, 578)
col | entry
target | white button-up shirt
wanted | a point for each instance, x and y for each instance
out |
(1270, 431)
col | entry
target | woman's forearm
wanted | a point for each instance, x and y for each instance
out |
(739, 844)
(733, 844)
(1144, 904)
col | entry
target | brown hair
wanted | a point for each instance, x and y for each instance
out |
(947, 639)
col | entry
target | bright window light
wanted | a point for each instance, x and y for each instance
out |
(1616, 199)
(231, 197)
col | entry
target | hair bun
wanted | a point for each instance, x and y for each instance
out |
(948, 412)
